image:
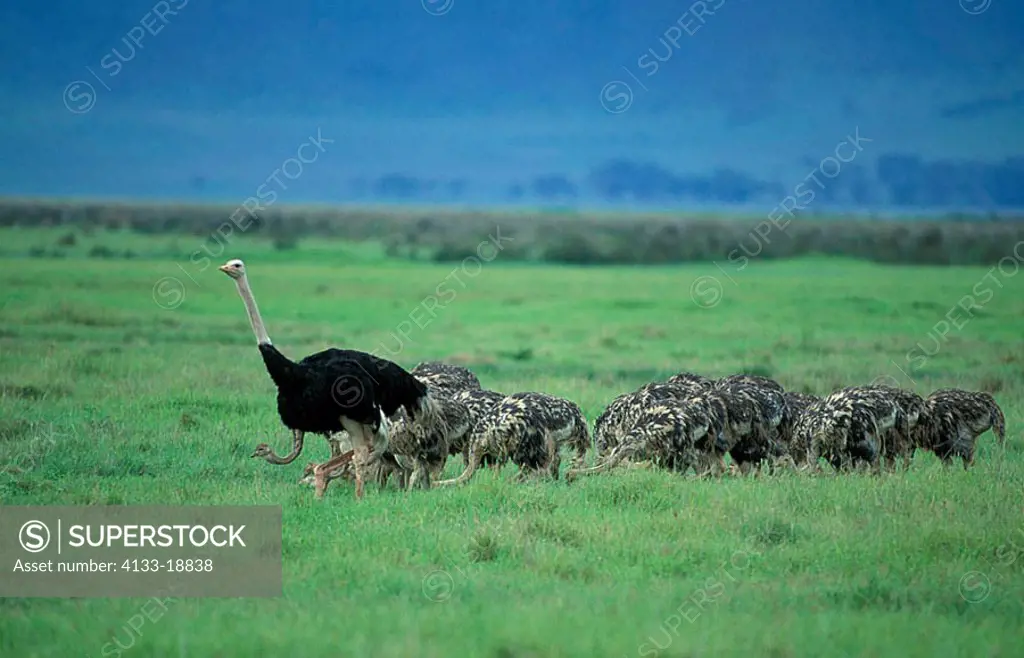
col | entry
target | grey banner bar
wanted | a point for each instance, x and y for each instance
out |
(140, 550)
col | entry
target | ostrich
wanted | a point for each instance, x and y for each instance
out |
(797, 402)
(753, 409)
(690, 379)
(896, 445)
(267, 453)
(445, 377)
(477, 402)
(529, 429)
(952, 420)
(620, 413)
(737, 426)
(422, 452)
(847, 426)
(796, 405)
(379, 472)
(893, 412)
(668, 433)
(756, 381)
(336, 390)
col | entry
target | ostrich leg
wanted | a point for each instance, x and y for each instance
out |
(335, 440)
(322, 471)
(362, 440)
(334, 444)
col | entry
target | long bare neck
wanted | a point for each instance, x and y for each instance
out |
(297, 437)
(254, 313)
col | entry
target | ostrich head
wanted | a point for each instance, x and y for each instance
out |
(234, 268)
(262, 450)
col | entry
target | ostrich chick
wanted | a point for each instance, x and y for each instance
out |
(529, 429)
(897, 445)
(422, 452)
(666, 433)
(619, 415)
(335, 441)
(848, 426)
(796, 403)
(952, 420)
(445, 378)
(477, 402)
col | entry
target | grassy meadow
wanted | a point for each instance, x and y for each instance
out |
(134, 379)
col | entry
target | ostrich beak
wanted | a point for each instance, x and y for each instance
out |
(223, 268)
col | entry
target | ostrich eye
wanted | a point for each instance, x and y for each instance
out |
(237, 266)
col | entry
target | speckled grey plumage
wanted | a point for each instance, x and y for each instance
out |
(951, 420)
(528, 429)
(421, 451)
(670, 433)
(445, 378)
(477, 402)
(849, 426)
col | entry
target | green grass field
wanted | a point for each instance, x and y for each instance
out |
(106, 397)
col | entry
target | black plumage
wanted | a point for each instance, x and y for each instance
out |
(313, 394)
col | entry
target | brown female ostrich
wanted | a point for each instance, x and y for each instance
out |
(336, 390)
(529, 429)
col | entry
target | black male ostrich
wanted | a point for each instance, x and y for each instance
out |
(337, 390)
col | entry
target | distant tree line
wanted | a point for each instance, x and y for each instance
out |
(569, 237)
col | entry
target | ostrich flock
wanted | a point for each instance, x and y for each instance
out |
(380, 419)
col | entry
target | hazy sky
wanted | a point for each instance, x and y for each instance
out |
(492, 91)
